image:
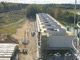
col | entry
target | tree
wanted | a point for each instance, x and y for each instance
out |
(58, 13)
(31, 10)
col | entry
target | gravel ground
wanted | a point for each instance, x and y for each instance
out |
(32, 46)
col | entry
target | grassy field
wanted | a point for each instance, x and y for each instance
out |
(12, 16)
(72, 10)
(11, 29)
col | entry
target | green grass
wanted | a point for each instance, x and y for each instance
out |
(12, 16)
(72, 10)
(11, 29)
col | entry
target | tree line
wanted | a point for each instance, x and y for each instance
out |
(55, 10)
(61, 15)
(5, 7)
(63, 6)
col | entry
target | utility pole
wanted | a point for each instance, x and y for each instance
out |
(75, 15)
(78, 22)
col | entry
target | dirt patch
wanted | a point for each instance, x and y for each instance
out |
(32, 46)
(4, 38)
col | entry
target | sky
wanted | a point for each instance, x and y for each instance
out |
(43, 1)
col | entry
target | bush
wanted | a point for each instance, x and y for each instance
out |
(32, 10)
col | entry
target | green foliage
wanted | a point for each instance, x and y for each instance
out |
(50, 11)
(54, 10)
(63, 6)
(11, 29)
(12, 16)
(62, 16)
(32, 10)
(5, 7)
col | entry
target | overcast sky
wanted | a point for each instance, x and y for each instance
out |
(42, 1)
